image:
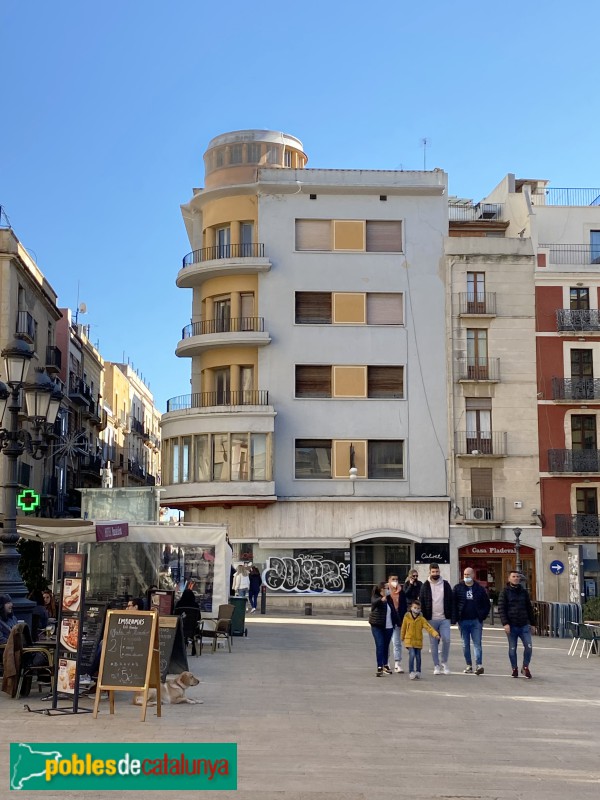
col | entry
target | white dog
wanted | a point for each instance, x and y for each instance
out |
(172, 691)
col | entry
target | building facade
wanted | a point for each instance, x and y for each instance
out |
(317, 426)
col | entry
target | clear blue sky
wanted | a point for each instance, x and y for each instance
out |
(107, 108)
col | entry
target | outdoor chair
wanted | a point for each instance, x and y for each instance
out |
(18, 667)
(573, 628)
(190, 618)
(590, 636)
(222, 629)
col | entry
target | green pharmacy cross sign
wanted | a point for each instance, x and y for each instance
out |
(28, 500)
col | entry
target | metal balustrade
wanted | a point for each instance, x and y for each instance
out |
(578, 319)
(481, 212)
(477, 303)
(244, 397)
(482, 509)
(566, 197)
(249, 250)
(478, 369)
(573, 460)
(575, 389)
(572, 525)
(481, 443)
(233, 325)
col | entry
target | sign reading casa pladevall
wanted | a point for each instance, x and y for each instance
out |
(432, 553)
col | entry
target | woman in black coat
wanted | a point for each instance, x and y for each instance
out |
(382, 628)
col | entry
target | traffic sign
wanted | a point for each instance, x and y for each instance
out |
(557, 567)
(28, 500)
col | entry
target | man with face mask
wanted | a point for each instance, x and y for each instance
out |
(436, 604)
(470, 606)
(397, 602)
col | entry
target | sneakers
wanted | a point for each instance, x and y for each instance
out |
(412, 676)
(446, 669)
(418, 676)
(525, 671)
(468, 670)
(387, 670)
(437, 670)
(479, 670)
(252, 610)
(398, 667)
(515, 672)
(379, 672)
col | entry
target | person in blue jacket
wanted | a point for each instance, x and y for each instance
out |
(470, 607)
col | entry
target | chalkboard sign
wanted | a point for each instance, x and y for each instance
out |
(93, 627)
(130, 657)
(173, 655)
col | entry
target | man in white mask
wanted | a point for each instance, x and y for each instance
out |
(436, 604)
(470, 607)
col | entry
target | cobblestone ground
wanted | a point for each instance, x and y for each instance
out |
(300, 698)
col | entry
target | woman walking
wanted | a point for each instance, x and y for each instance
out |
(382, 627)
(241, 582)
(255, 584)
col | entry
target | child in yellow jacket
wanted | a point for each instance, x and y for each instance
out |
(412, 636)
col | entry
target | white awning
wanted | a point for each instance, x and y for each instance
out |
(58, 531)
(304, 544)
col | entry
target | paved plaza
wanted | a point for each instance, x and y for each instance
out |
(311, 720)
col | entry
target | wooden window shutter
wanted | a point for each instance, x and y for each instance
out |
(313, 380)
(384, 309)
(313, 308)
(481, 483)
(478, 403)
(313, 234)
(384, 236)
(386, 382)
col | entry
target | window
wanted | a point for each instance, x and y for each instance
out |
(313, 308)
(258, 454)
(272, 154)
(386, 459)
(595, 247)
(253, 153)
(313, 234)
(479, 424)
(220, 457)
(222, 386)
(223, 238)
(584, 443)
(387, 382)
(175, 461)
(579, 298)
(247, 311)
(313, 380)
(482, 492)
(384, 309)
(247, 384)
(222, 315)
(384, 236)
(313, 458)
(477, 362)
(476, 292)
(186, 458)
(239, 457)
(220, 157)
(236, 154)
(287, 158)
(246, 238)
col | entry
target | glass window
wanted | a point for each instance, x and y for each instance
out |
(235, 154)
(175, 460)
(313, 458)
(253, 153)
(258, 454)
(186, 458)
(246, 239)
(386, 459)
(239, 457)
(220, 457)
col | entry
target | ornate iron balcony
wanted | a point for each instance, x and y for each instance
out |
(573, 460)
(575, 389)
(578, 319)
(573, 525)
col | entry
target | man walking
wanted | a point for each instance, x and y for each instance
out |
(397, 602)
(470, 606)
(516, 615)
(436, 604)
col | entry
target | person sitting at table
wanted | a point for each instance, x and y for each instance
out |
(50, 604)
(187, 600)
(135, 604)
(39, 611)
(7, 617)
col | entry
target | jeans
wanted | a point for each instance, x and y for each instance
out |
(471, 629)
(522, 632)
(442, 626)
(382, 638)
(254, 597)
(242, 593)
(397, 642)
(414, 659)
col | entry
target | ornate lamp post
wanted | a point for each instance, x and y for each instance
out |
(517, 532)
(38, 403)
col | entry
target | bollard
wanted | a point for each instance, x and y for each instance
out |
(308, 609)
(360, 612)
(263, 599)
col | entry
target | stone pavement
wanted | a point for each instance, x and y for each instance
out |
(311, 720)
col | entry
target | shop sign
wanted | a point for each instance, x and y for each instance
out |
(486, 549)
(432, 553)
(107, 532)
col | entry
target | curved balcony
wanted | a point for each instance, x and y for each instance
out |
(211, 333)
(245, 397)
(216, 262)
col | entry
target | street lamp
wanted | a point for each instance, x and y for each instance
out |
(517, 532)
(36, 403)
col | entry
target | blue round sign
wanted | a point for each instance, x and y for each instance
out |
(557, 567)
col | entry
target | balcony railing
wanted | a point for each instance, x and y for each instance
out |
(573, 525)
(25, 326)
(78, 388)
(91, 465)
(475, 213)
(233, 325)
(53, 359)
(251, 250)
(573, 460)
(580, 254)
(478, 369)
(245, 397)
(482, 509)
(135, 468)
(578, 319)
(137, 426)
(566, 197)
(477, 303)
(481, 443)
(575, 389)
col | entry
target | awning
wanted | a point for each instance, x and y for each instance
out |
(304, 544)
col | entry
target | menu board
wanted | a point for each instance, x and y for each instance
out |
(127, 649)
(67, 670)
(173, 656)
(67, 666)
(163, 601)
(71, 595)
(93, 627)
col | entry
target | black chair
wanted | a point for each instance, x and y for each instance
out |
(190, 617)
(222, 629)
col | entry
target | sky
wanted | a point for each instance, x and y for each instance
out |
(106, 109)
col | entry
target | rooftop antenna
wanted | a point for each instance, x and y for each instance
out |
(81, 309)
(425, 142)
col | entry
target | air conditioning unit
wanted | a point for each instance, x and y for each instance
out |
(476, 513)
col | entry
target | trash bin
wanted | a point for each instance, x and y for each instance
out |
(238, 620)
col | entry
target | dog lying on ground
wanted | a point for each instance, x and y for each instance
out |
(172, 691)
